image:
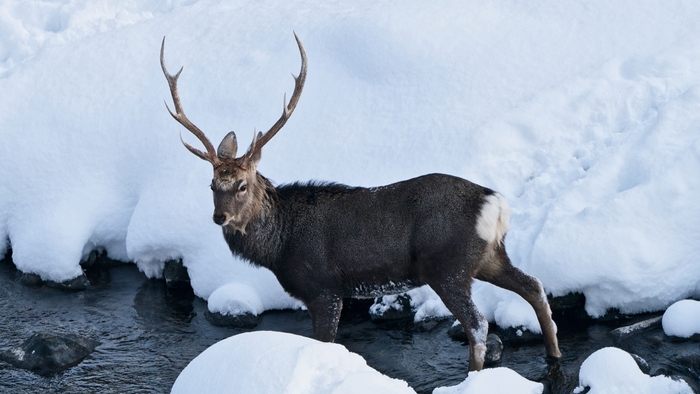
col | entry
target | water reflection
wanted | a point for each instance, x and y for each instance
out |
(161, 308)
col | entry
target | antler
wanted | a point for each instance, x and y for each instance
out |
(179, 115)
(259, 139)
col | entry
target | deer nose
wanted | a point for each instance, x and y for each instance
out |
(219, 218)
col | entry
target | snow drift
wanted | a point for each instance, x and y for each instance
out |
(586, 117)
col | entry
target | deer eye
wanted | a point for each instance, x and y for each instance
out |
(211, 186)
(243, 188)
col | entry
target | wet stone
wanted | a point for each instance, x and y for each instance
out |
(79, 283)
(518, 335)
(31, 280)
(567, 302)
(48, 353)
(641, 363)
(624, 333)
(399, 309)
(494, 350)
(175, 274)
(457, 333)
(246, 320)
(429, 324)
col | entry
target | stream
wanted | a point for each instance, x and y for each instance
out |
(148, 333)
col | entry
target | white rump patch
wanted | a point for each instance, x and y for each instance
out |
(492, 224)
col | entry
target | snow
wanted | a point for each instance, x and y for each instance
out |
(585, 116)
(273, 362)
(612, 370)
(682, 319)
(496, 381)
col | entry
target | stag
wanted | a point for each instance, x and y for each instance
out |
(326, 241)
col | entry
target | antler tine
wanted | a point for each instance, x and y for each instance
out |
(287, 109)
(180, 116)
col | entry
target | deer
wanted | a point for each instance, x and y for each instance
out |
(326, 241)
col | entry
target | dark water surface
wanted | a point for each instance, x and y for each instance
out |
(148, 334)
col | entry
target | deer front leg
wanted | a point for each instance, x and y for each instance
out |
(325, 314)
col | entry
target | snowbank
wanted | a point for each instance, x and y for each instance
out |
(273, 362)
(585, 117)
(612, 370)
(495, 381)
(682, 319)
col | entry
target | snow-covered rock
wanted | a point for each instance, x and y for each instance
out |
(266, 362)
(613, 370)
(682, 319)
(495, 381)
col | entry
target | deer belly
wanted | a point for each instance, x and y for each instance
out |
(373, 290)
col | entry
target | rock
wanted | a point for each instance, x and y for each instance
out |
(31, 280)
(569, 310)
(91, 259)
(457, 333)
(494, 345)
(518, 335)
(567, 302)
(390, 308)
(429, 324)
(641, 363)
(245, 320)
(47, 353)
(7, 258)
(622, 333)
(76, 284)
(175, 274)
(494, 350)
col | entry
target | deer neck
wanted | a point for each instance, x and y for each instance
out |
(261, 243)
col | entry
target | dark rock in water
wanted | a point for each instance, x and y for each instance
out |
(694, 338)
(518, 335)
(457, 333)
(570, 301)
(429, 324)
(91, 260)
(7, 258)
(569, 309)
(494, 344)
(641, 363)
(76, 284)
(175, 274)
(31, 280)
(46, 353)
(246, 320)
(623, 333)
(399, 309)
(494, 350)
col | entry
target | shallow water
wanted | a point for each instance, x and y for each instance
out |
(148, 334)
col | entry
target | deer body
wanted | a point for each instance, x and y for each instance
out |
(325, 242)
(361, 242)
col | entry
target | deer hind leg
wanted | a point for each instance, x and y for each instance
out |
(325, 314)
(458, 300)
(498, 270)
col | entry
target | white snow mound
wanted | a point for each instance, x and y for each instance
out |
(682, 319)
(613, 370)
(493, 381)
(266, 362)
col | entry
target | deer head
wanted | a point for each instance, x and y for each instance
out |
(237, 187)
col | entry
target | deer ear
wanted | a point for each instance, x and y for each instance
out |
(258, 154)
(228, 147)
